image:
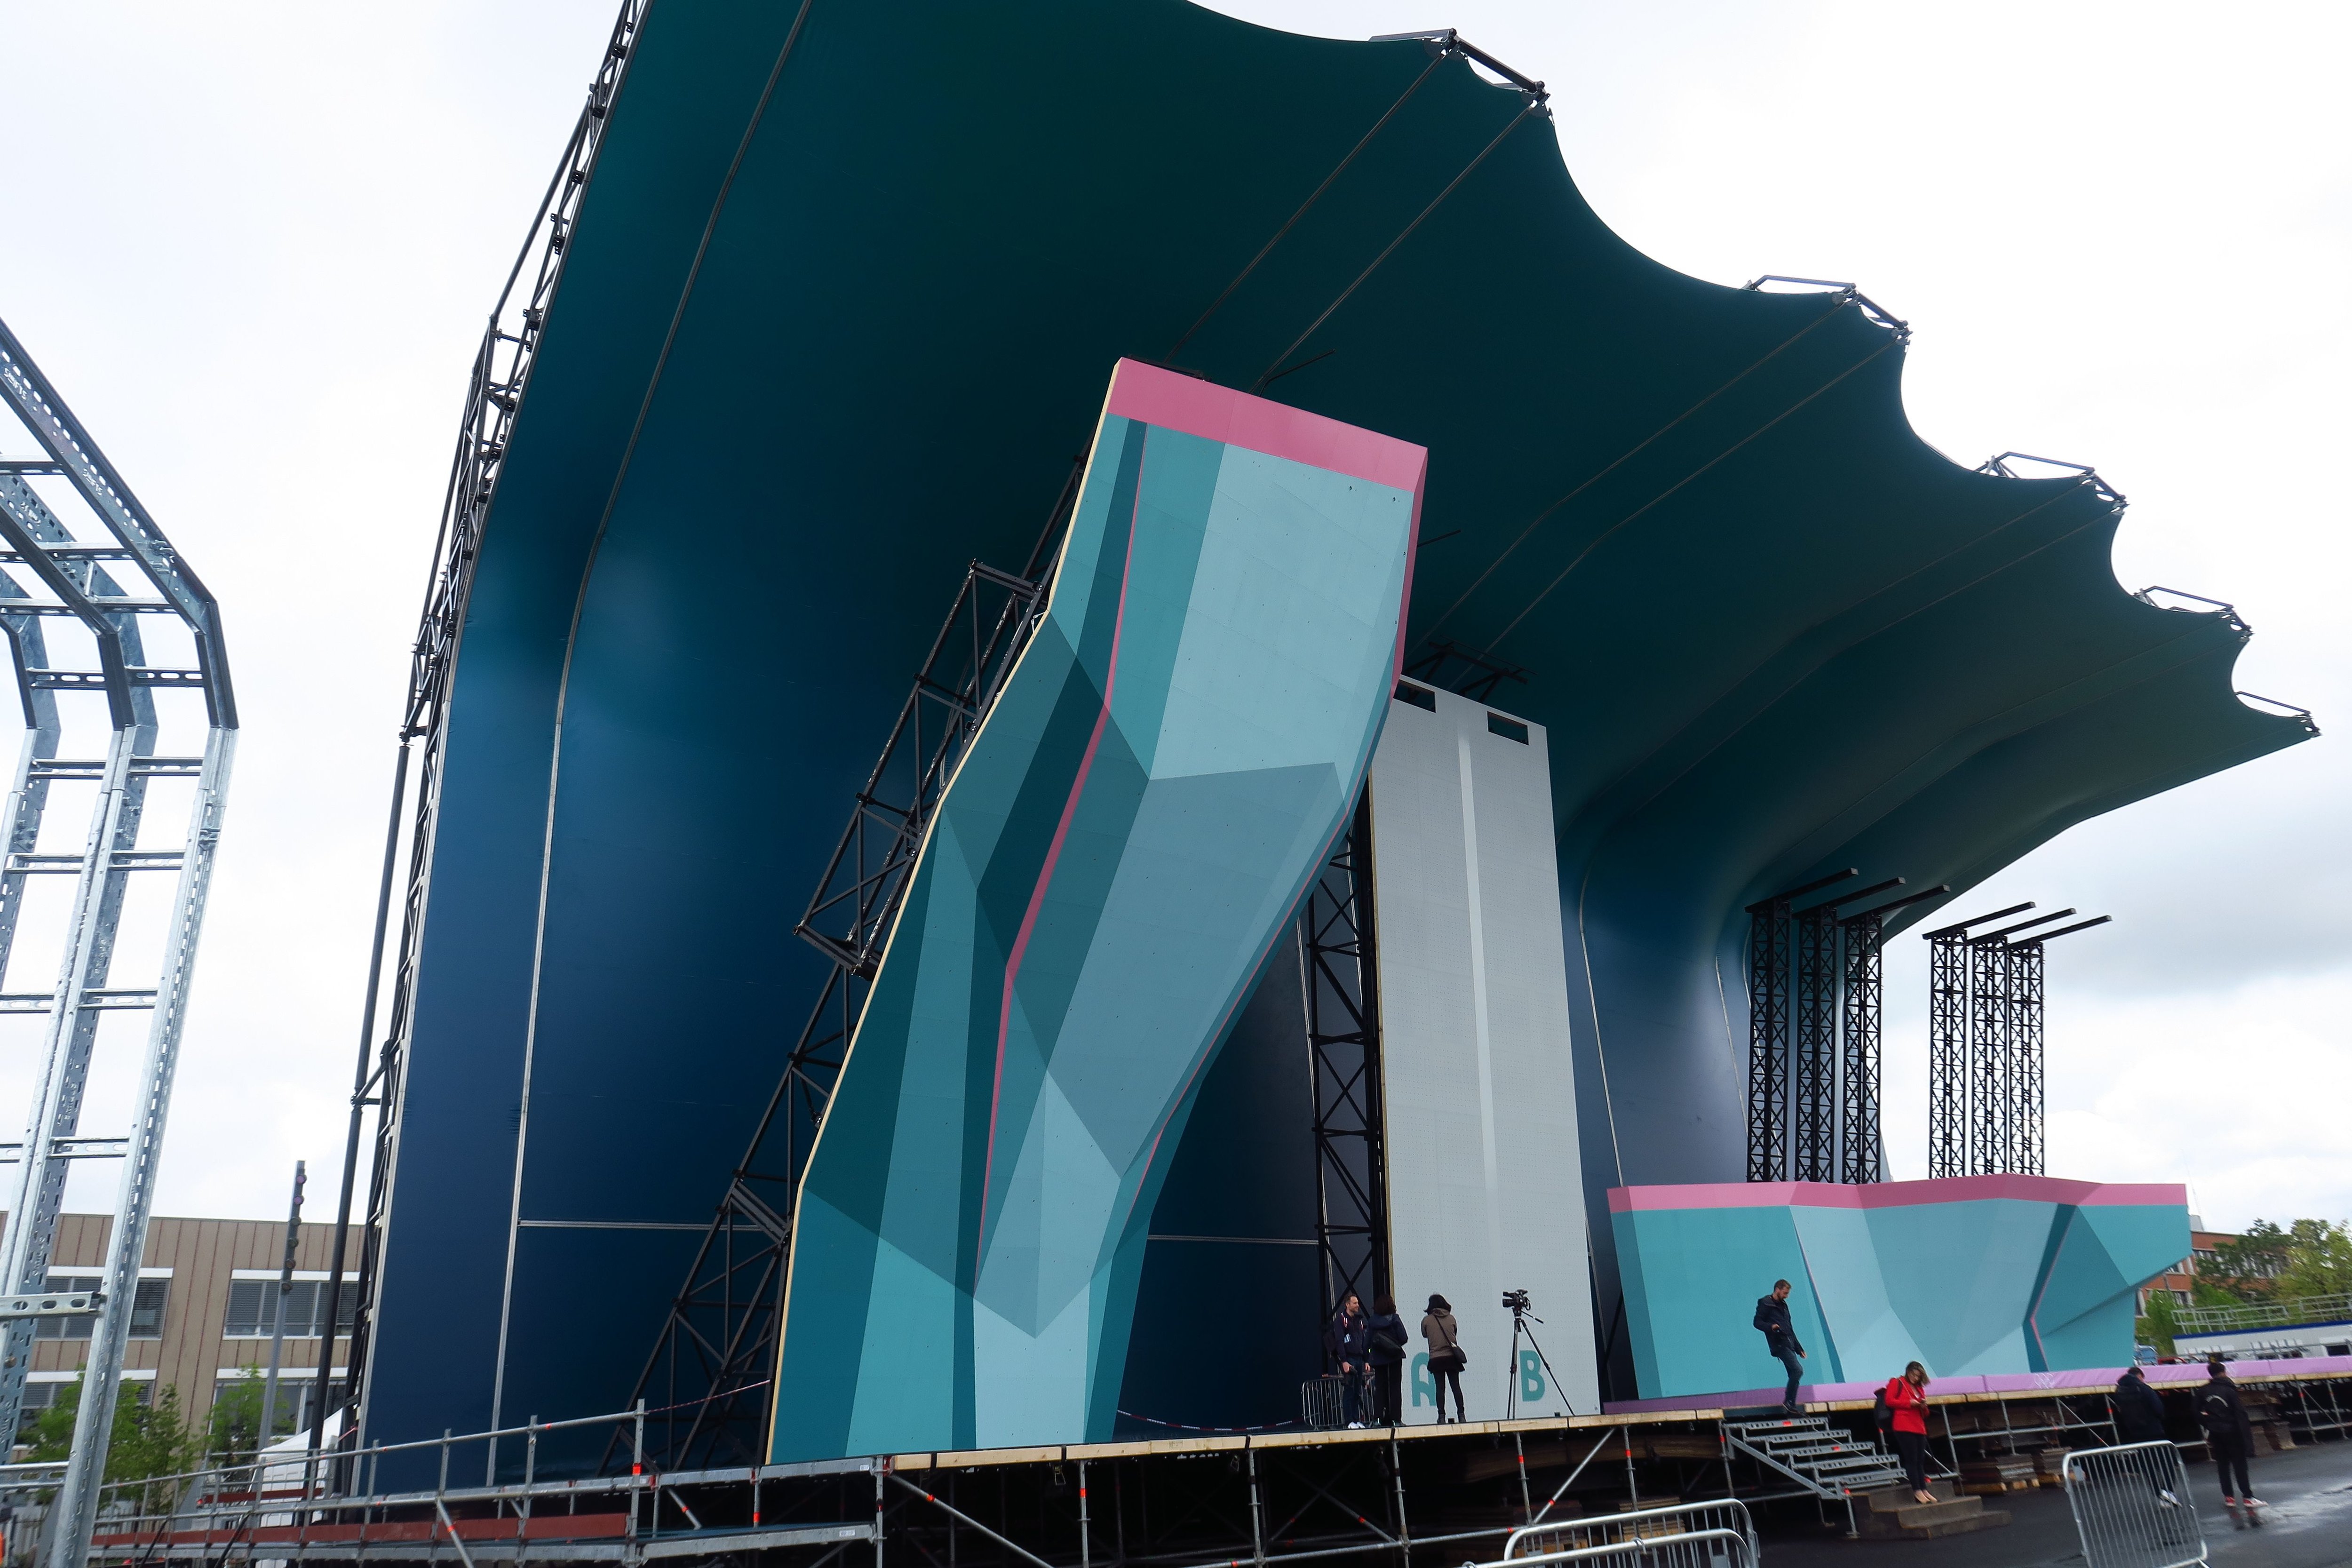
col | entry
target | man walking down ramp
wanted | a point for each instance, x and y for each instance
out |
(1780, 1334)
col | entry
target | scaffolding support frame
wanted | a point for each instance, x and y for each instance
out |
(82, 577)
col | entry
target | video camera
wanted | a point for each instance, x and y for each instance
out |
(1518, 1301)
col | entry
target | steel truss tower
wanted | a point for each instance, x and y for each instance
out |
(1339, 974)
(1814, 1053)
(1861, 1156)
(2026, 1148)
(1988, 1103)
(1814, 1022)
(1986, 1085)
(104, 585)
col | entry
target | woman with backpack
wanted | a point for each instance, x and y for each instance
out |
(1903, 1402)
(1445, 1357)
(2229, 1435)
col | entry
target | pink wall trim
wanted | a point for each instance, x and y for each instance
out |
(1891, 1194)
(1202, 408)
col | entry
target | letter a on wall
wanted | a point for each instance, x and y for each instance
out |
(1170, 759)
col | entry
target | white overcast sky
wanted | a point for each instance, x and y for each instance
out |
(253, 244)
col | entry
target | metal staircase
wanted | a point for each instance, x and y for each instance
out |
(1827, 1461)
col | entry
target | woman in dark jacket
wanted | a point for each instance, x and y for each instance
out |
(1387, 1333)
(2229, 1435)
(1446, 1359)
(1348, 1341)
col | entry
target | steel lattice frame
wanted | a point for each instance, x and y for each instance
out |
(1339, 974)
(1948, 1054)
(81, 579)
(1768, 1041)
(1814, 1052)
(501, 371)
(1860, 1145)
(1990, 1132)
(2025, 1059)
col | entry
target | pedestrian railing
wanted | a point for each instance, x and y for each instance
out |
(1694, 1530)
(1709, 1548)
(2132, 1507)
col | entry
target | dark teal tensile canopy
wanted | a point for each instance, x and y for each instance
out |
(783, 397)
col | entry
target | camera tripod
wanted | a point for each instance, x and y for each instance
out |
(1520, 1318)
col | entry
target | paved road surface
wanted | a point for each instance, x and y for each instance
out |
(2309, 1526)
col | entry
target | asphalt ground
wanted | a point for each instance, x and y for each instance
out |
(2307, 1525)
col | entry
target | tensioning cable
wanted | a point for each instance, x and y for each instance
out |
(1622, 459)
(1530, 107)
(1337, 170)
(1596, 541)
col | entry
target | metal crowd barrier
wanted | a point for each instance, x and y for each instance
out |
(2118, 1497)
(1716, 1534)
(1678, 1549)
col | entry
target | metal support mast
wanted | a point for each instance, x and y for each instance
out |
(100, 579)
(1814, 1046)
(2026, 1100)
(1948, 1065)
(1772, 1008)
(2028, 1081)
(1339, 972)
(1861, 1142)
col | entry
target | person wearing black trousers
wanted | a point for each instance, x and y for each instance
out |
(1386, 1332)
(1447, 1358)
(1347, 1341)
(2231, 1437)
(2140, 1418)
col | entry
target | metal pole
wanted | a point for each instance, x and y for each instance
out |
(1396, 1472)
(1257, 1506)
(360, 1074)
(1527, 1503)
(278, 1319)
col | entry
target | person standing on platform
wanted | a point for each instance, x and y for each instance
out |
(1388, 1344)
(1348, 1344)
(1780, 1336)
(2140, 1418)
(1447, 1358)
(1907, 1402)
(2231, 1435)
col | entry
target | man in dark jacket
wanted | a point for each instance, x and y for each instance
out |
(2140, 1418)
(2229, 1437)
(1781, 1335)
(1347, 1341)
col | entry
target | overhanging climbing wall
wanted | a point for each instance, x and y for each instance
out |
(1119, 851)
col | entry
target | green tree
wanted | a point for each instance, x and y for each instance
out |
(2248, 1266)
(149, 1440)
(2162, 1322)
(2318, 1260)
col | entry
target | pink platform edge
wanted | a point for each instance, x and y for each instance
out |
(1177, 401)
(2089, 1377)
(1891, 1194)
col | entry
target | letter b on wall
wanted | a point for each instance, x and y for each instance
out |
(1531, 1377)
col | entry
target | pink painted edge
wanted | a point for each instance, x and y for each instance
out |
(1990, 1383)
(1892, 1195)
(1175, 402)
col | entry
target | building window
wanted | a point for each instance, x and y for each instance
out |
(147, 1304)
(40, 1396)
(253, 1303)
